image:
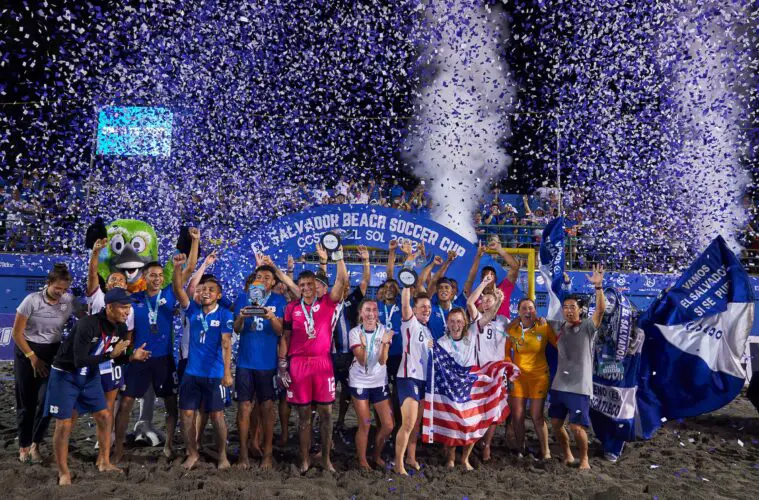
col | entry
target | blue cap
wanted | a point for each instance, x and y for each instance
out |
(118, 296)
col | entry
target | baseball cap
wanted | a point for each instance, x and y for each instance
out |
(322, 278)
(118, 296)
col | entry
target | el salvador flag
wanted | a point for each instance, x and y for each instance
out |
(616, 365)
(552, 265)
(696, 333)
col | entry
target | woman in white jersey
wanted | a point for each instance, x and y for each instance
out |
(488, 333)
(367, 378)
(459, 345)
(412, 375)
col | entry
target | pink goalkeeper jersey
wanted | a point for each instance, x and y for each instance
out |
(323, 310)
(507, 287)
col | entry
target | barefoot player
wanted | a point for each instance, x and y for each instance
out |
(209, 364)
(307, 340)
(75, 377)
(572, 386)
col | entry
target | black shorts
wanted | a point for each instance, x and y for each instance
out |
(342, 364)
(393, 363)
(255, 384)
(161, 372)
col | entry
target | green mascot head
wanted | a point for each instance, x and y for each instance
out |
(131, 245)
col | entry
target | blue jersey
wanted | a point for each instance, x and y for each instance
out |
(160, 336)
(438, 318)
(206, 357)
(257, 349)
(394, 313)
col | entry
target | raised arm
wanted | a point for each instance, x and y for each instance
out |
(192, 259)
(342, 279)
(406, 311)
(441, 272)
(473, 270)
(323, 257)
(390, 266)
(209, 261)
(427, 272)
(490, 315)
(176, 281)
(367, 271)
(284, 278)
(92, 268)
(511, 262)
(597, 279)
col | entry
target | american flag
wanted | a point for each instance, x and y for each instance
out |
(466, 400)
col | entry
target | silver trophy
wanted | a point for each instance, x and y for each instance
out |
(256, 294)
(331, 242)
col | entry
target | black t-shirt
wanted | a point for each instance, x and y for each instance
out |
(90, 343)
(347, 320)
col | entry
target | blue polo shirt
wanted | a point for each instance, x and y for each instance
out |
(206, 357)
(394, 311)
(257, 349)
(160, 343)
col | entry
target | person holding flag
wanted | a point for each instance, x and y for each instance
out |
(460, 346)
(572, 386)
(488, 331)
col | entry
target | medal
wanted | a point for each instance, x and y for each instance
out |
(153, 313)
(389, 316)
(204, 324)
(309, 319)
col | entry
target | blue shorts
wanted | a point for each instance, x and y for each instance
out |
(373, 395)
(577, 406)
(181, 367)
(410, 388)
(66, 390)
(161, 372)
(204, 393)
(255, 384)
(113, 378)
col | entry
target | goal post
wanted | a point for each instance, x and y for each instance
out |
(530, 253)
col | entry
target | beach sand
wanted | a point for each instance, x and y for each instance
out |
(712, 456)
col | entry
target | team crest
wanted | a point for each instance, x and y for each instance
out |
(315, 308)
(416, 390)
(162, 301)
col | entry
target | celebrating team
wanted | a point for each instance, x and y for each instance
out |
(294, 353)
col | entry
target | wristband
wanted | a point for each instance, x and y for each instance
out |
(30, 354)
(324, 263)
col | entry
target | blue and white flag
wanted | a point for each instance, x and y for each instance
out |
(616, 365)
(696, 333)
(552, 265)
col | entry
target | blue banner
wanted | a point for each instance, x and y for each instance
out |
(696, 333)
(615, 375)
(552, 265)
(368, 225)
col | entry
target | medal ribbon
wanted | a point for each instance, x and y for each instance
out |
(153, 313)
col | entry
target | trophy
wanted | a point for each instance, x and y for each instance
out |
(407, 276)
(331, 242)
(256, 294)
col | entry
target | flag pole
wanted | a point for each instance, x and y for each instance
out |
(432, 397)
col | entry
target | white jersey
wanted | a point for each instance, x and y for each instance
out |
(461, 350)
(489, 341)
(373, 374)
(415, 350)
(96, 303)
